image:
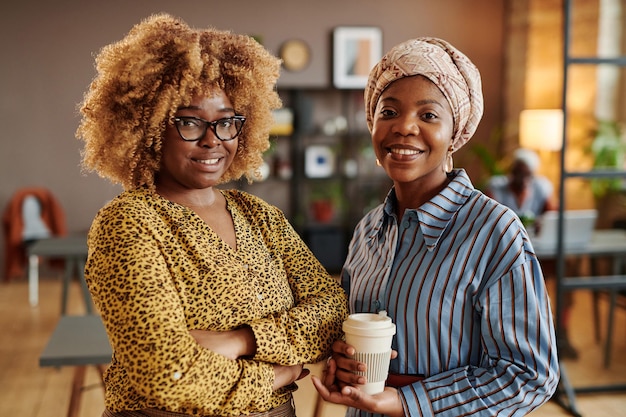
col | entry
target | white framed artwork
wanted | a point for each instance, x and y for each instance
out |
(355, 52)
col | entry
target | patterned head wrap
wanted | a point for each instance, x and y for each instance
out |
(449, 69)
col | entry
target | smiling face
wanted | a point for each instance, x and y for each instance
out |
(188, 165)
(412, 132)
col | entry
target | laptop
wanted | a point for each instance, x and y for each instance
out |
(578, 226)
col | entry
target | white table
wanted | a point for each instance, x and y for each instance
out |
(73, 249)
(604, 243)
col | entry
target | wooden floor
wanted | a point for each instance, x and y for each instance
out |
(26, 390)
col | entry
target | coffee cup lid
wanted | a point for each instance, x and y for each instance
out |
(364, 323)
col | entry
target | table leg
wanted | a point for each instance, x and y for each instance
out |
(80, 264)
(617, 269)
(70, 262)
(33, 280)
(77, 388)
(609, 330)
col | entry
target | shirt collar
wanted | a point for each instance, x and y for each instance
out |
(435, 215)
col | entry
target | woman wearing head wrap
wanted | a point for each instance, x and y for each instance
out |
(454, 269)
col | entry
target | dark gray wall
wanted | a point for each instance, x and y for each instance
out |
(47, 48)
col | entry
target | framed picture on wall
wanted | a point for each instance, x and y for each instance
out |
(356, 49)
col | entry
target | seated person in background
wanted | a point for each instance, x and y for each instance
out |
(528, 194)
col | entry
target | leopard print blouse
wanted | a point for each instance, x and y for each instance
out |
(156, 270)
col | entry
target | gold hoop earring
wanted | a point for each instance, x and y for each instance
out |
(378, 163)
(449, 166)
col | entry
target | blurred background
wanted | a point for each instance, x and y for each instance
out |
(320, 169)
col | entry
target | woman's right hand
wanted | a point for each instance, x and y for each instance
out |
(338, 380)
(346, 368)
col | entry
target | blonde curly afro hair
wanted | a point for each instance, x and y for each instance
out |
(159, 66)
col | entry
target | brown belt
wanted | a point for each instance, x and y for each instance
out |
(285, 410)
(402, 380)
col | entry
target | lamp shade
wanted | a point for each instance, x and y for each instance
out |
(541, 129)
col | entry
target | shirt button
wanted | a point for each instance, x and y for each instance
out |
(259, 296)
(177, 375)
(406, 224)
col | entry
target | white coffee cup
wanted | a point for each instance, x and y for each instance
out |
(371, 335)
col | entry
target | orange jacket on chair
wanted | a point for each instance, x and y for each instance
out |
(51, 213)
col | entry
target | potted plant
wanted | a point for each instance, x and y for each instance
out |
(491, 165)
(608, 149)
(325, 199)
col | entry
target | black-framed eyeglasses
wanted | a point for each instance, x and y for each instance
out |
(194, 128)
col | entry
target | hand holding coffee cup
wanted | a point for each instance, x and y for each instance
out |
(371, 335)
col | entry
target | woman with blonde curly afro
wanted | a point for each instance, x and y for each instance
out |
(211, 301)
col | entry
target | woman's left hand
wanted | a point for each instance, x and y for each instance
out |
(387, 402)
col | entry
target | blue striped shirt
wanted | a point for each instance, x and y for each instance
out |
(460, 279)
